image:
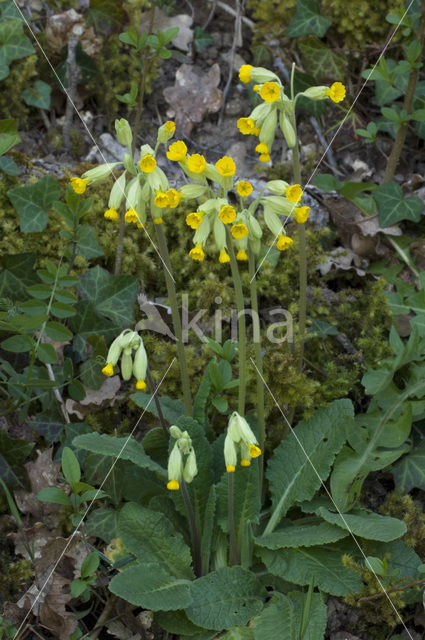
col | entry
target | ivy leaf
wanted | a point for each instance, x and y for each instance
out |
(38, 95)
(12, 455)
(14, 45)
(409, 473)
(112, 296)
(87, 245)
(322, 62)
(33, 202)
(225, 598)
(393, 206)
(87, 322)
(9, 135)
(308, 20)
(9, 166)
(172, 408)
(104, 15)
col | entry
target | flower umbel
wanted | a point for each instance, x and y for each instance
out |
(239, 434)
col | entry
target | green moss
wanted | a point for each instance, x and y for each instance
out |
(22, 74)
(403, 507)
(14, 576)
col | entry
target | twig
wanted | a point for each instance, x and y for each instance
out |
(72, 71)
(237, 42)
(249, 23)
(58, 394)
(153, 387)
(211, 15)
(110, 604)
(375, 596)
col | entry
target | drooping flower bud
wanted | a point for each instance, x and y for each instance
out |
(287, 130)
(191, 468)
(166, 131)
(273, 221)
(117, 192)
(126, 364)
(129, 164)
(175, 468)
(124, 133)
(219, 231)
(100, 173)
(190, 191)
(140, 365)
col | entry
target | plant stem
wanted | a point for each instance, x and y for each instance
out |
(375, 596)
(258, 362)
(409, 97)
(157, 404)
(197, 563)
(234, 559)
(120, 241)
(142, 87)
(172, 298)
(237, 285)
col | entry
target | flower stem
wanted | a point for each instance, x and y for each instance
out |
(234, 559)
(258, 361)
(197, 563)
(237, 285)
(181, 354)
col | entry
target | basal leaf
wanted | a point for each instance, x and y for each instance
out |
(102, 523)
(172, 408)
(366, 524)
(246, 499)
(297, 534)
(225, 598)
(33, 202)
(302, 461)
(176, 622)
(278, 615)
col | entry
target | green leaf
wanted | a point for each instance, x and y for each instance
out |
(18, 344)
(302, 461)
(38, 95)
(49, 426)
(308, 20)
(366, 524)
(322, 62)
(57, 331)
(148, 585)
(55, 495)
(301, 535)
(46, 354)
(112, 296)
(90, 564)
(123, 448)
(9, 166)
(103, 523)
(172, 409)
(279, 614)
(87, 245)
(201, 39)
(86, 322)
(33, 202)
(151, 537)
(70, 466)
(78, 587)
(12, 456)
(18, 274)
(409, 473)
(322, 562)
(238, 633)
(393, 206)
(9, 135)
(176, 622)
(62, 310)
(225, 598)
(316, 626)
(104, 15)
(207, 532)
(13, 44)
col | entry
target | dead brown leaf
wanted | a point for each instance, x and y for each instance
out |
(61, 25)
(95, 400)
(343, 259)
(163, 21)
(194, 95)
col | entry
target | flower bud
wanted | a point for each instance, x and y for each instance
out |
(175, 432)
(100, 173)
(124, 133)
(219, 233)
(315, 93)
(202, 232)
(191, 191)
(166, 131)
(175, 468)
(260, 112)
(140, 362)
(230, 454)
(157, 180)
(287, 130)
(134, 198)
(117, 192)
(254, 227)
(212, 173)
(126, 364)
(268, 128)
(278, 204)
(114, 352)
(255, 245)
(273, 221)
(259, 74)
(191, 468)
(277, 186)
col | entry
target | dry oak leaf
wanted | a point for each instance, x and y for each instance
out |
(61, 26)
(194, 95)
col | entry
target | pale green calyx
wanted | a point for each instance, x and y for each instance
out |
(316, 93)
(100, 173)
(239, 434)
(287, 130)
(190, 191)
(219, 231)
(178, 467)
(140, 362)
(124, 133)
(117, 192)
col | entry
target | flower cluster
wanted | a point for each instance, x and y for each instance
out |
(124, 345)
(182, 460)
(239, 436)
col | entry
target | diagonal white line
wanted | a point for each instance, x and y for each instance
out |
(335, 134)
(84, 124)
(94, 498)
(293, 432)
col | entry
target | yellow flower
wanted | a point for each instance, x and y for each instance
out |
(270, 91)
(196, 163)
(239, 230)
(108, 370)
(301, 214)
(111, 214)
(170, 126)
(245, 463)
(161, 200)
(336, 92)
(174, 198)
(197, 253)
(224, 256)
(264, 157)
(246, 126)
(262, 148)
(79, 185)
(294, 193)
(131, 216)
(140, 225)
(241, 255)
(140, 384)
(256, 131)
(227, 214)
(147, 163)
(173, 485)
(254, 451)
(283, 242)
(226, 166)
(244, 188)
(256, 88)
(177, 151)
(230, 468)
(245, 73)
(158, 220)
(193, 220)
